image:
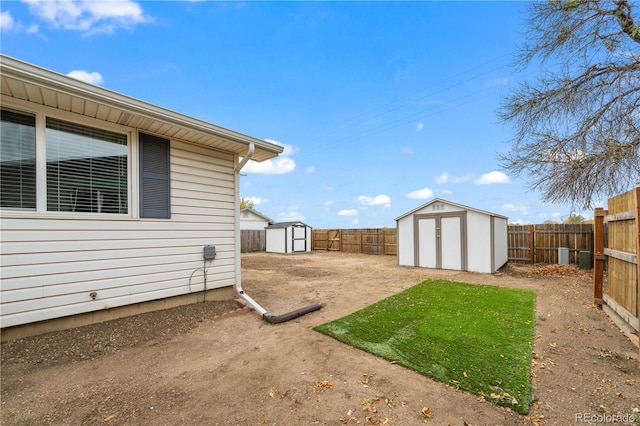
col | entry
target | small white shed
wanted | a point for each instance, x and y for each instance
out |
(445, 235)
(288, 237)
(253, 220)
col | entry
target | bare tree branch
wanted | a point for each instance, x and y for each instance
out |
(577, 126)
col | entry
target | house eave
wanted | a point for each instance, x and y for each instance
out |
(30, 83)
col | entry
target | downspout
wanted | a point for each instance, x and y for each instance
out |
(238, 285)
(273, 319)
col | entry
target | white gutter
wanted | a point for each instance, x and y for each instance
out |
(238, 285)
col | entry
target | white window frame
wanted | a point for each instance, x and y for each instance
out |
(41, 113)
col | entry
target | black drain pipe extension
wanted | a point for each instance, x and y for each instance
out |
(277, 319)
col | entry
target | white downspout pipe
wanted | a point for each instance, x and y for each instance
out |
(238, 285)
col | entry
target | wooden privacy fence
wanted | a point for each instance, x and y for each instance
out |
(540, 243)
(366, 240)
(617, 243)
(252, 240)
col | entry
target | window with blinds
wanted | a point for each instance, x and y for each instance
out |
(86, 169)
(17, 160)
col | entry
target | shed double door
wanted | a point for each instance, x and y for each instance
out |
(440, 241)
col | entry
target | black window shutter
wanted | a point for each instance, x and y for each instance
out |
(155, 185)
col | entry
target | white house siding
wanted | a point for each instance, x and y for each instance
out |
(52, 262)
(251, 221)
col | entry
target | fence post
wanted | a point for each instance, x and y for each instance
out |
(637, 200)
(532, 246)
(384, 241)
(361, 242)
(598, 254)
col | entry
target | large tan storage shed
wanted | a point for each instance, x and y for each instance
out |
(445, 235)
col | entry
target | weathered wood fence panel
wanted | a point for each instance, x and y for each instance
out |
(520, 244)
(621, 252)
(380, 241)
(252, 240)
(540, 243)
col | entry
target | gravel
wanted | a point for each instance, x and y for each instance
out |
(95, 340)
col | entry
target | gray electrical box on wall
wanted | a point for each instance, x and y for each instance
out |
(209, 252)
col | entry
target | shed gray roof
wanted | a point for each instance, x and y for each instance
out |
(286, 224)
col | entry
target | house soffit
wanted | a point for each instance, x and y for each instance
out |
(32, 84)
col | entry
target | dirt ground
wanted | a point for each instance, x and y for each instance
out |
(188, 366)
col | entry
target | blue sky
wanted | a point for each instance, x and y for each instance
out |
(381, 106)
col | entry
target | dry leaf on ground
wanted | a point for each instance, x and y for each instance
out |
(323, 384)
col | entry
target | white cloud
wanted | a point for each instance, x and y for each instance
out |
(419, 127)
(492, 177)
(292, 216)
(256, 200)
(443, 178)
(274, 166)
(8, 24)
(421, 194)
(328, 203)
(87, 77)
(355, 221)
(406, 150)
(378, 200)
(311, 169)
(522, 208)
(447, 178)
(89, 17)
(497, 82)
(348, 213)
(6, 21)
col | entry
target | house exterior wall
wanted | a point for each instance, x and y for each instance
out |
(52, 261)
(276, 240)
(249, 220)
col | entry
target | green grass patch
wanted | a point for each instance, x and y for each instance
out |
(474, 337)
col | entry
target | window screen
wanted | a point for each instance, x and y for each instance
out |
(155, 197)
(86, 169)
(17, 160)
